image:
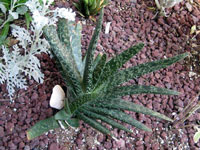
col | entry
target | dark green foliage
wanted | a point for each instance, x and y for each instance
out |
(6, 26)
(92, 122)
(28, 19)
(4, 33)
(99, 69)
(94, 84)
(63, 53)
(96, 61)
(42, 127)
(119, 115)
(137, 71)
(104, 119)
(62, 115)
(116, 63)
(87, 77)
(90, 8)
(139, 89)
(72, 40)
(85, 98)
(118, 103)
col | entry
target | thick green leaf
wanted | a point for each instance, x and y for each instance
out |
(87, 78)
(62, 115)
(95, 10)
(96, 61)
(93, 123)
(94, 4)
(81, 100)
(86, 1)
(119, 115)
(42, 127)
(139, 89)
(125, 105)
(73, 122)
(85, 9)
(65, 59)
(63, 70)
(4, 33)
(100, 4)
(98, 71)
(137, 71)
(105, 119)
(28, 19)
(70, 34)
(115, 63)
(66, 104)
(89, 8)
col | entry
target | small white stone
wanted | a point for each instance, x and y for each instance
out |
(107, 27)
(189, 7)
(191, 74)
(57, 97)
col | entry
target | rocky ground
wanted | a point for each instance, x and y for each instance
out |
(132, 21)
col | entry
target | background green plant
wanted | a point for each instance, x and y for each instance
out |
(89, 8)
(188, 111)
(11, 9)
(163, 4)
(94, 92)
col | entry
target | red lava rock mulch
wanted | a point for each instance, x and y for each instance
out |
(131, 22)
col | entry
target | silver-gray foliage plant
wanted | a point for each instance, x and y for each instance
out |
(16, 66)
(163, 4)
(21, 61)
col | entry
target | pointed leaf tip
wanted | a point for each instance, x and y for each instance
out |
(41, 127)
(28, 135)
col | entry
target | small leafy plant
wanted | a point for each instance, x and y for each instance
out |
(186, 113)
(163, 4)
(11, 10)
(20, 61)
(89, 8)
(93, 84)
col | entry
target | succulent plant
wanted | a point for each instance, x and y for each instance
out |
(163, 4)
(90, 8)
(93, 84)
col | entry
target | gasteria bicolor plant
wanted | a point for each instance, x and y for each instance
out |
(89, 8)
(15, 65)
(163, 4)
(94, 91)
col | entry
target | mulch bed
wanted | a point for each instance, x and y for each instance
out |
(132, 21)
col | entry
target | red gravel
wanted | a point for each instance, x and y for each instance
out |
(131, 23)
